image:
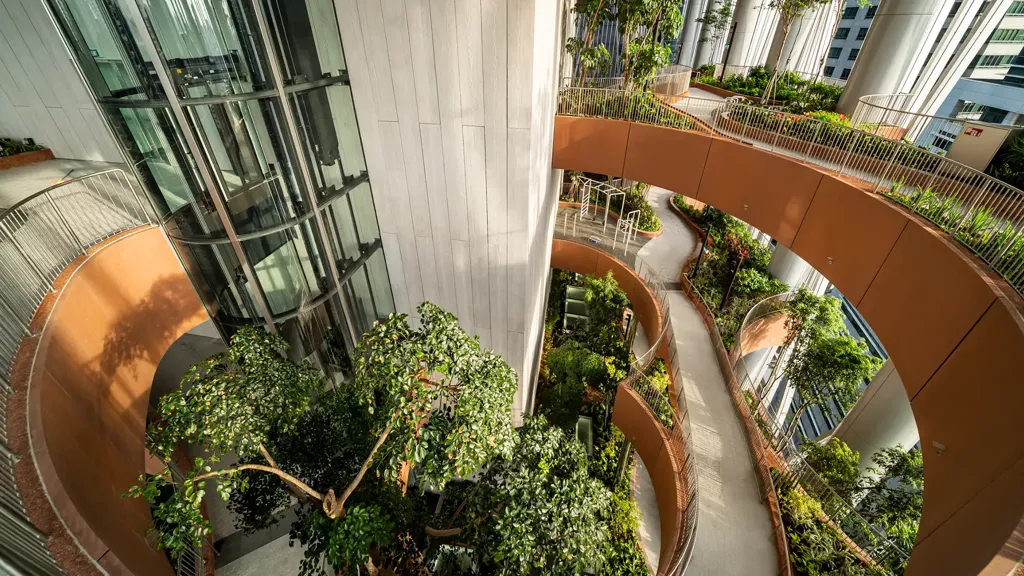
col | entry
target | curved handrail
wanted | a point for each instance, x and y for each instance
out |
(873, 541)
(983, 214)
(39, 236)
(678, 426)
(888, 116)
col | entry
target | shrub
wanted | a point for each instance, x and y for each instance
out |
(831, 117)
(9, 147)
(635, 200)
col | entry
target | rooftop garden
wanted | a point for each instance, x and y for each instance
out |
(635, 199)
(793, 92)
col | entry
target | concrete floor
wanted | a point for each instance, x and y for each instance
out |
(733, 531)
(18, 183)
(650, 522)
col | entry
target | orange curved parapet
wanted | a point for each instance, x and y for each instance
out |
(953, 328)
(114, 315)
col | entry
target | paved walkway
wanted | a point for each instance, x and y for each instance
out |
(733, 530)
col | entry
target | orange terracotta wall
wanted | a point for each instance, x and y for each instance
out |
(953, 331)
(112, 322)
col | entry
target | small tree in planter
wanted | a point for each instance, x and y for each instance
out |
(643, 24)
(428, 398)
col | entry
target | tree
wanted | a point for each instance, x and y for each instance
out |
(427, 398)
(836, 463)
(572, 368)
(789, 11)
(894, 499)
(537, 509)
(715, 22)
(643, 25)
(592, 13)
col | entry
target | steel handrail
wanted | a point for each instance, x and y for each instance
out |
(946, 192)
(868, 100)
(39, 237)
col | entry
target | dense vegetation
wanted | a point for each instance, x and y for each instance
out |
(730, 245)
(793, 92)
(636, 199)
(580, 371)
(379, 467)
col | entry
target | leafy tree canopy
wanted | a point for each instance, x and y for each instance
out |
(895, 498)
(836, 463)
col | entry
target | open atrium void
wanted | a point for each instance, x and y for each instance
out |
(517, 287)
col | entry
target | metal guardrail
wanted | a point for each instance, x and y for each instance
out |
(889, 116)
(983, 214)
(39, 237)
(861, 534)
(678, 425)
(672, 80)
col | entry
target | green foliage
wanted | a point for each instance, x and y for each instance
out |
(624, 105)
(635, 200)
(402, 374)
(645, 26)
(792, 91)
(622, 551)
(815, 548)
(658, 375)
(837, 465)
(715, 22)
(572, 367)
(538, 508)
(1008, 165)
(10, 147)
(345, 543)
(827, 116)
(894, 500)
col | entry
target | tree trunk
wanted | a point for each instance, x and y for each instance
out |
(371, 568)
(333, 506)
(796, 420)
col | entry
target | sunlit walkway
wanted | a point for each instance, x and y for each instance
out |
(733, 530)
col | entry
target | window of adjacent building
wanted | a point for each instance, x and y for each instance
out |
(829, 70)
(842, 33)
(1016, 8)
(941, 143)
(845, 74)
(1008, 35)
(850, 13)
(862, 33)
(835, 52)
(993, 60)
(871, 12)
(954, 9)
(853, 54)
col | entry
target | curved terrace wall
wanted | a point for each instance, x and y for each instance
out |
(113, 317)
(632, 415)
(953, 329)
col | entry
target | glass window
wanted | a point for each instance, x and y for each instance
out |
(157, 148)
(845, 74)
(862, 33)
(850, 13)
(853, 54)
(835, 51)
(352, 226)
(1016, 8)
(212, 47)
(871, 12)
(288, 266)
(367, 292)
(829, 70)
(326, 121)
(252, 159)
(221, 282)
(106, 45)
(308, 42)
(842, 33)
(1008, 35)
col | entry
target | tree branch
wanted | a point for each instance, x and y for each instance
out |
(275, 471)
(334, 506)
(437, 533)
(302, 497)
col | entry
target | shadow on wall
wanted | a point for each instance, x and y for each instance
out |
(114, 321)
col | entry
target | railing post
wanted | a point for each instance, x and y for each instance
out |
(64, 221)
(31, 263)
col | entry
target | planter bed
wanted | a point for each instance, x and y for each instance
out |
(25, 158)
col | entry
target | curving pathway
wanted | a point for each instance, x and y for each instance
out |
(733, 530)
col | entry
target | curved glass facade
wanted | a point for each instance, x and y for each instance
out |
(239, 120)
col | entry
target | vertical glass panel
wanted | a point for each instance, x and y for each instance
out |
(352, 225)
(357, 294)
(326, 121)
(318, 335)
(252, 160)
(288, 267)
(306, 38)
(212, 47)
(380, 285)
(157, 148)
(219, 278)
(105, 43)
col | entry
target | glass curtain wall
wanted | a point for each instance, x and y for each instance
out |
(239, 120)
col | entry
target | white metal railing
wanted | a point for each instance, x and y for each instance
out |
(39, 237)
(677, 422)
(725, 71)
(984, 214)
(875, 543)
(672, 80)
(889, 116)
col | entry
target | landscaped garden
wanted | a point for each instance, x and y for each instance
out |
(414, 467)
(583, 364)
(728, 292)
(635, 199)
(792, 91)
